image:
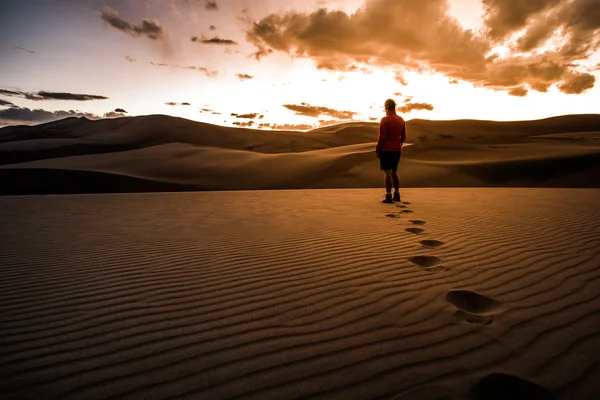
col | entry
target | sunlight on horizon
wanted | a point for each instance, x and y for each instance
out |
(141, 74)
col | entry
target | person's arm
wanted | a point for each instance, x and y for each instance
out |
(403, 134)
(382, 135)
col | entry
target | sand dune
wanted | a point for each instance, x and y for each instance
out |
(322, 294)
(156, 153)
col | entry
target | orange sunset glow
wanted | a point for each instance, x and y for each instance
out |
(297, 64)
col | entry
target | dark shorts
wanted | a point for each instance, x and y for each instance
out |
(389, 160)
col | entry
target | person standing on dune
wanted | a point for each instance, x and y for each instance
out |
(392, 134)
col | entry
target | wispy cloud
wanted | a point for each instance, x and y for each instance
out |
(316, 111)
(206, 71)
(409, 107)
(244, 124)
(5, 103)
(150, 29)
(211, 5)
(24, 49)
(44, 95)
(243, 77)
(248, 116)
(130, 59)
(215, 40)
(173, 103)
(286, 127)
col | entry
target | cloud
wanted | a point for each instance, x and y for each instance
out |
(172, 103)
(130, 59)
(211, 5)
(518, 92)
(44, 95)
(577, 83)
(206, 71)
(244, 76)
(250, 116)
(24, 49)
(207, 110)
(120, 110)
(244, 124)
(113, 114)
(26, 115)
(503, 17)
(150, 29)
(315, 111)
(410, 107)
(390, 34)
(287, 127)
(5, 103)
(212, 28)
(214, 40)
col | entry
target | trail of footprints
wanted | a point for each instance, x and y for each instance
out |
(472, 308)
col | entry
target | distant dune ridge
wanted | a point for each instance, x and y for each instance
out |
(313, 294)
(162, 153)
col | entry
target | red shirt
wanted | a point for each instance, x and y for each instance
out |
(392, 132)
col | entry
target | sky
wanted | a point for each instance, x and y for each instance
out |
(298, 64)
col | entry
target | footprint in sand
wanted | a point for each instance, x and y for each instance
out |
(504, 386)
(392, 215)
(473, 307)
(431, 243)
(406, 211)
(416, 231)
(406, 202)
(401, 206)
(417, 222)
(428, 263)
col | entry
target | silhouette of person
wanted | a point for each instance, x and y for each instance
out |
(392, 134)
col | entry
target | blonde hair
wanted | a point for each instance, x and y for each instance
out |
(390, 105)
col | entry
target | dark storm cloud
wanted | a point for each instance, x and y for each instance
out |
(211, 5)
(316, 111)
(212, 28)
(150, 29)
(390, 34)
(215, 40)
(44, 95)
(409, 107)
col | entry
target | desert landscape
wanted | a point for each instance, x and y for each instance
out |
(162, 153)
(196, 200)
(192, 283)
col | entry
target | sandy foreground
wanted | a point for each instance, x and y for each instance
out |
(328, 294)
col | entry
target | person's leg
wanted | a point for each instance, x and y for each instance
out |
(389, 181)
(396, 182)
(388, 186)
(395, 179)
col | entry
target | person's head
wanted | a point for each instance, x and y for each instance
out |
(390, 105)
